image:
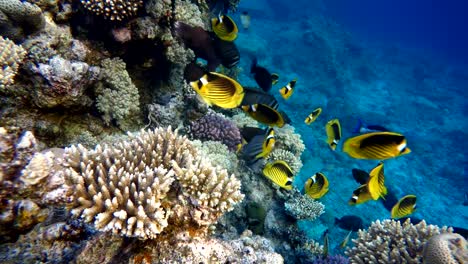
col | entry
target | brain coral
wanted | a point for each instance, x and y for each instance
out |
(217, 128)
(152, 182)
(11, 56)
(113, 9)
(445, 249)
(390, 241)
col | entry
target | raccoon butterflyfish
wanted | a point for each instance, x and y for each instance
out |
(259, 146)
(360, 195)
(313, 116)
(333, 129)
(264, 114)
(346, 240)
(280, 173)
(376, 145)
(255, 96)
(287, 91)
(316, 186)
(376, 182)
(218, 89)
(262, 76)
(404, 207)
(245, 20)
(224, 27)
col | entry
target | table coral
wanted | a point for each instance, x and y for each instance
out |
(150, 183)
(389, 240)
(11, 55)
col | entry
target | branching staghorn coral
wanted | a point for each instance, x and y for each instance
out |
(151, 183)
(218, 154)
(11, 55)
(390, 241)
(113, 9)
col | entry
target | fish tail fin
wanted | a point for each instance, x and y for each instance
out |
(254, 64)
(336, 221)
(358, 127)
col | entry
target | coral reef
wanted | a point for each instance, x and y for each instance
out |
(19, 18)
(118, 97)
(61, 82)
(216, 127)
(446, 249)
(336, 259)
(390, 240)
(303, 207)
(293, 161)
(218, 154)
(154, 181)
(113, 9)
(242, 120)
(30, 181)
(57, 241)
(11, 55)
(288, 139)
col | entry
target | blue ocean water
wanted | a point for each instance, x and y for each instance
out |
(397, 64)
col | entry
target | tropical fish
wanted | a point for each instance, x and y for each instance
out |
(360, 195)
(245, 20)
(280, 173)
(218, 89)
(376, 145)
(346, 239)
(259, 146)
(255, 96)
(262, 76)
(376, 182)
(264, 114)
(274, 78)
(312, 116)
(224, 27)
(287, 91)
(326, 244)
(360, 176)
(248, 133)
(350, 222)
(316, 186)
(198, 40)
(363, 128)
(333, 129)
(226, 52)
(404, 207)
